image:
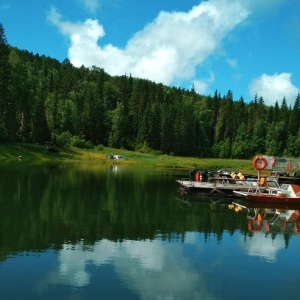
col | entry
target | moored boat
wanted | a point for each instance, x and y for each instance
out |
(273, 193)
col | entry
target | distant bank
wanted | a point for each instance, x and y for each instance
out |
(39, 154)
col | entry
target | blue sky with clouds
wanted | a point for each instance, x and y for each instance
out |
(246, 46)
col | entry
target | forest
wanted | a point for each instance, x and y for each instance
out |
(43, 100)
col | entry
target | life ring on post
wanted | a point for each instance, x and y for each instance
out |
(260, 163)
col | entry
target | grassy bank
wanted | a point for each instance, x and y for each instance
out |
(38, 154)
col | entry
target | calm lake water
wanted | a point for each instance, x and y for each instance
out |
(97, 232)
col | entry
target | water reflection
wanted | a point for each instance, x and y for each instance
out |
(270, 219)
(152, 269)
(266, 222)
(124, 233)
(263, 246)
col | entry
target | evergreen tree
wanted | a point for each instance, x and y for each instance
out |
(275, 139)
(294, 120)
(240, 145)
(4, 84)
(41, 99)
(117, 137)
(257, 143)
(167, 128)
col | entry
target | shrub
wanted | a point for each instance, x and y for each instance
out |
(63, 139)
(100, 147)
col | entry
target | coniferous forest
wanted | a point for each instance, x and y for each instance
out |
(42, 99)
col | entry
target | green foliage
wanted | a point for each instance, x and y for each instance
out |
(117, 137)
(64, 139)
(241, 143)
(42, 99)
(3, 133)
(276, 138)
(79, 142)
(143, 148)
(99, 147)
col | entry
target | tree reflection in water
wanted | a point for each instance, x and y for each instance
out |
(125, 232)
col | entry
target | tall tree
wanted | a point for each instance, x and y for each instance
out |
(294, 120)
(275, 139)
(167, 128)
(23, 81)
(4, 83)
(51, 115)
(117, 138)
(240, 145)
(257, 143)
(39, 129)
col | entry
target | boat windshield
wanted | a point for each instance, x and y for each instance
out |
(273, 184)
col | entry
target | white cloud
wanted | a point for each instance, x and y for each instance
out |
(88, 32)
(231, 62)
(201, 86)
(167, 50)
(274, 88)
(91, 5)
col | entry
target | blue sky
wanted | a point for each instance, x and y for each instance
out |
(247, 46)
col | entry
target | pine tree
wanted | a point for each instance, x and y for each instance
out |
(4, 83)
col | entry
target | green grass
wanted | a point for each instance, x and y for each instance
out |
(36, 154)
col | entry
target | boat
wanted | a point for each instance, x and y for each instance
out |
(222, 183)
(218, 184)
(273, 193)
(115, 156)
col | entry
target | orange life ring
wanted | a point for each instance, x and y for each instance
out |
(255, 225)
(289, 166)
(260, 163)
(273, 161)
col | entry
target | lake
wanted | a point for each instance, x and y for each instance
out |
(88, 231)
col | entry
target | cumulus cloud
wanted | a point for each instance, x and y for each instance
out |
(201, 86)
(274, 88)
(88, 32)
(168, 49)
(91, 5)
(265, 6)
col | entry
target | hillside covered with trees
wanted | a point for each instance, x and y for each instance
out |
(42, 99)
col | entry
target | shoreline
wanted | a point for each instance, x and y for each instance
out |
(36, 154)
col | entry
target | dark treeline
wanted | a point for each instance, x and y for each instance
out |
(42, 99)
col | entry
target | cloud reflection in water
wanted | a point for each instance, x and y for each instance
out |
(154, 269)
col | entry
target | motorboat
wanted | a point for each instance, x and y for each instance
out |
(273, 193)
